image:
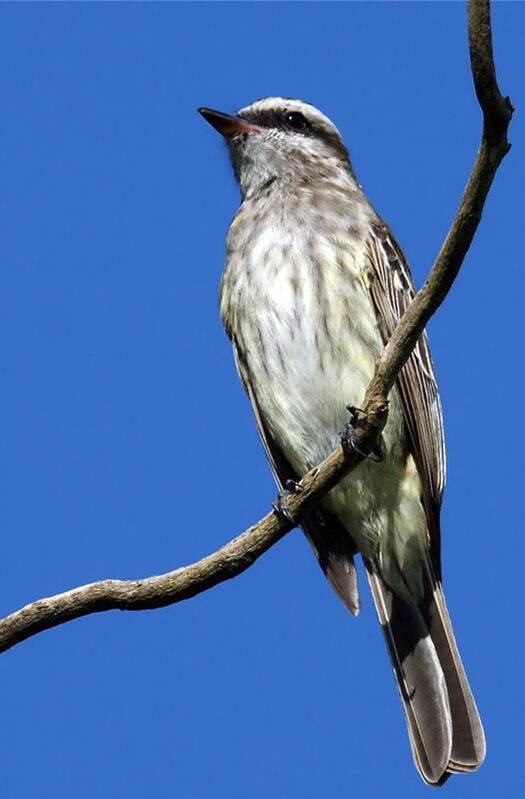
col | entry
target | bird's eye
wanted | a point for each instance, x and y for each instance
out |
(295, 120)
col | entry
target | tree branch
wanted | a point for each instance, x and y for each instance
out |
(497, 113)
(239, 554)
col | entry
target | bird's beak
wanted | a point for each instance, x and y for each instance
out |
(227, 125)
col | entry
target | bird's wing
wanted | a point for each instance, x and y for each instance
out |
(330, 542)
(444, 727)
(392, 291)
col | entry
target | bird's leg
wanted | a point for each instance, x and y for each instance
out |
(280, 503)
(348, 437)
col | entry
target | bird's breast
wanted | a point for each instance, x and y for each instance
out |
(296, 299)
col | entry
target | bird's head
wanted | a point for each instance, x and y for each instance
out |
(279, 140)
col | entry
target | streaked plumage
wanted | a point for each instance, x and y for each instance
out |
(313, 286)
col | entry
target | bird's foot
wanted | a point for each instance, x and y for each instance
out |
(280, 503)
(348, 437)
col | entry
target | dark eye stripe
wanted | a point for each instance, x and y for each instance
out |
(265, 119)
(277, 119)
(281, 120)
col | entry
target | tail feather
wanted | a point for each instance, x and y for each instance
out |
(419, 678)
(445, 732)
(468, 740)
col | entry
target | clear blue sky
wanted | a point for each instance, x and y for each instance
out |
(128, 447)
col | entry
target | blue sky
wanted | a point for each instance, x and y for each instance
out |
(128, 447)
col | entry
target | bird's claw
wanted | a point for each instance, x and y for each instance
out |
(348, 437)
(280, 503)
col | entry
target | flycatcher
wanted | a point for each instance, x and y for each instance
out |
(313, 286)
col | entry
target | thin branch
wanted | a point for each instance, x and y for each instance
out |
(497, 113)
(166, 589)
(239, 554)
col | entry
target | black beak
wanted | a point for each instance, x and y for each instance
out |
(227, 125)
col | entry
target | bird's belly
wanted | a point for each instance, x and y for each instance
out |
(310, 346)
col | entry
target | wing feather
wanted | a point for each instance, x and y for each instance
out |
(392, 291)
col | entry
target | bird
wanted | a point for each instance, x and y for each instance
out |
(314, 283)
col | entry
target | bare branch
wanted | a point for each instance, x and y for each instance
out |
(166, 589)
(239, 554)
(497, 113)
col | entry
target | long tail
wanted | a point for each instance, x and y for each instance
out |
(444, 727)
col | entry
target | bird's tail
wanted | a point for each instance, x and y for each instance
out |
(444, 727)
